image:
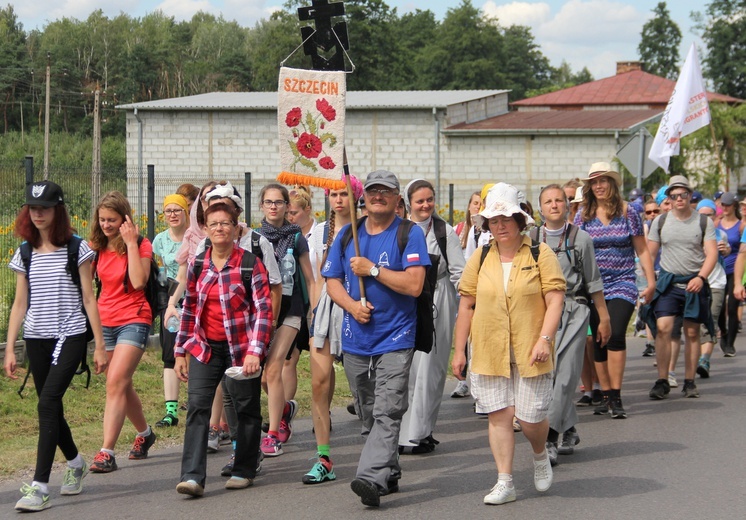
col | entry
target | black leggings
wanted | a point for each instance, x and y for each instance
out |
(51, 383)
(620, 312)
(728, 319)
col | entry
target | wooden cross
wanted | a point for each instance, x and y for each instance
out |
(321, 12)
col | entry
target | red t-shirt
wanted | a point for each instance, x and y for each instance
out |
(116, 307)
(213, 315)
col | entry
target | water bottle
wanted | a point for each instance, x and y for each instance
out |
(173, 323)
(287, 270)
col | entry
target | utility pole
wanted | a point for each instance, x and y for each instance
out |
(96, 170)
(46, 119)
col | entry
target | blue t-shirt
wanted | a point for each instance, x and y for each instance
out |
(394, 316)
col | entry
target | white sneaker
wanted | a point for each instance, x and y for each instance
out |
(672, 380)
(462, 390)
(543, 475)
(500, 494)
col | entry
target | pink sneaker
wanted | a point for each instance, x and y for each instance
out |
(285, 431)
(271, 447)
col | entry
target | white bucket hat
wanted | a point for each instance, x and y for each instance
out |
(502, 200)
(578, 195)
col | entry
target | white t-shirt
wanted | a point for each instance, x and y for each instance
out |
(55, 306)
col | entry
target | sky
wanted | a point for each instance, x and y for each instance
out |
(585, 33)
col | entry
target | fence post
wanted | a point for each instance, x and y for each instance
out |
(151, 202)
(450, 204)
(247, 196)
(29, 162)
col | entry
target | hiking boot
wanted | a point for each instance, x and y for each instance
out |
(649, 350)
(585, 400)
(191, 488)
(672, 380)
(367, 491)
(690, 389)
(213, 439)
(660, 389)
(552, 453)
(602, 408)
(597, 397)
(322, 471)
(569, 440)
(461, 390)
(103, 463)
(500, 494)
(543, 475)
(703, 367)
(141, 446)
(167, 421)
(617, 410)
(34, 499)
(239, 483)
(72, 482)
(285, 431)
(271, 447)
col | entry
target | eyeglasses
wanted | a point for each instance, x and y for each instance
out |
(372, 192)
(276, 203)
(170, 212)
(683, 195)
(652, 211)
(215, 225)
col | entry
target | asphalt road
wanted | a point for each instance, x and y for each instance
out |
(678, 458)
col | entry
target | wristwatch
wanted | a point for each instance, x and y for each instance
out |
(375, 271)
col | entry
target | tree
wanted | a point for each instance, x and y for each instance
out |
(724, 34)
(14, 64)
(659, 46)
(524, 65)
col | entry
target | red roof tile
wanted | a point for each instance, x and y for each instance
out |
(629, 88)
(562, 120)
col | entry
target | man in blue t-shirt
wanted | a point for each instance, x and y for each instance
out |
(378, 332)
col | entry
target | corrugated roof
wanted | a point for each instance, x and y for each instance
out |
(572, 120)
(629, 88)
(402, 99)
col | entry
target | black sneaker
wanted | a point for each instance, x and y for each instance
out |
(351, 408)
(227, 470)
(597, 397)
(690, 389)
(367, 491)
(168, 420)
(649, 350)
(603, 408)
(584, 401)
(660, 389)
(141, 446)
(617, 410)
(265, 427)
(103, 463)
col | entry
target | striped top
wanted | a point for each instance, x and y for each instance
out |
(55, 308)
(615, 254)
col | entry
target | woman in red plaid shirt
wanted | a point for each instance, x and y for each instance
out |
(222, 327)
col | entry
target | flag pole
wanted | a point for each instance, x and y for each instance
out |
(721, 167)
(353, 225)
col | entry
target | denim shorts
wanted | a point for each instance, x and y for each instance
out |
(135, 334)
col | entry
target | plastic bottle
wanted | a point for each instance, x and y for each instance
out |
(173, 323)
(287, 270)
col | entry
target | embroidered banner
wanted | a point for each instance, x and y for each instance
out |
(311, 122)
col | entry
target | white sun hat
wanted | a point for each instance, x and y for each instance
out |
(502, 200)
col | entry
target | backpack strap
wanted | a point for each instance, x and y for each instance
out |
(199, 262)
(247, 269)
(439, 228)
(661, 221)
(325, 234)
(483, 255)
(256, 248)
(127, 272)
(73, 254)
(402, 234)
(347, 235)
(535, 249)
(703, 225)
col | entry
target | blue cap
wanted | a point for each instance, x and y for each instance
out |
(707, 203)
(696, 196)
(717, 195)
(661, 195)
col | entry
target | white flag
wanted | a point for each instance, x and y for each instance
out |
(687, 111)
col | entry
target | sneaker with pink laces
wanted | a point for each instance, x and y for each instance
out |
(271, 446)
(285, 431)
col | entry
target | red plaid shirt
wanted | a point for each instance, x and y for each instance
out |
(248, 319)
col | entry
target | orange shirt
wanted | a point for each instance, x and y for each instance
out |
(116, 307)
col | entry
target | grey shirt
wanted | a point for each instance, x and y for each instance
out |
(585, 257)
(682, 249)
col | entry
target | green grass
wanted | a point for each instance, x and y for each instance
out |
(84, 410)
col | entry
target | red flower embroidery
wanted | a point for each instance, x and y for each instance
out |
(327, 163)
(323, 106)
(293, 117)
(309, 145)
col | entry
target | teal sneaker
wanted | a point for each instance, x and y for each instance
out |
(320, 472)
(72, 482)
(34, 499)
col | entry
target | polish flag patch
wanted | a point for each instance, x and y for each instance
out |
(413, 257)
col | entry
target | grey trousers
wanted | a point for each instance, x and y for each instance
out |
(570, 348)
(382, 384)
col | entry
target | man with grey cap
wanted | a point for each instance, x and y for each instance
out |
(378, 330)
(689, 253)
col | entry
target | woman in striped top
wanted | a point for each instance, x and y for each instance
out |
(52, 310)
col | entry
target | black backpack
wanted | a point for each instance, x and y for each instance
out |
(573, 255)
(424, 337)
(247, 267)
(71, 268)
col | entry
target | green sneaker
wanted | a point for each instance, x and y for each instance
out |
(72, 482)
(320, 472)
(33, 499)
